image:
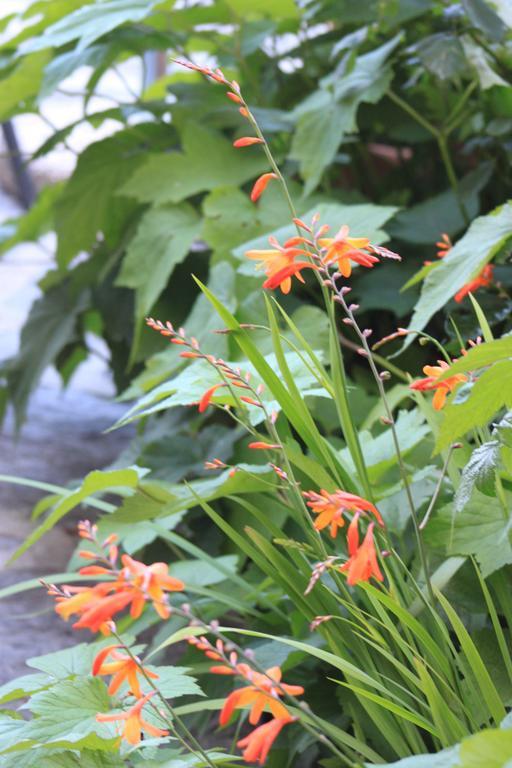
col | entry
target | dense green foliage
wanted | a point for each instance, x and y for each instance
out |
(394, 118)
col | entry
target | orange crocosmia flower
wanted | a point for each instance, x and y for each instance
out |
(247, 141)
(362, 563)
(257, 744)
(280, 278)
(100, 612)
(261, 184)
(330, 508)
(481, 281)
(443, 388)
(206, 398)
(122, 668)
(150, 581)
(276, 261)
(262, 694)
(134, 722)
(344, 249)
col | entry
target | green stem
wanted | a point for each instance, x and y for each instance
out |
(452, 178)
(196, 748)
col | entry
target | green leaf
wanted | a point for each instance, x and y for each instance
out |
(448, 758)
(483, 534)
(480, 60)
(163, 239)
(21, 84)
(491, 392)
(49, 328)
(199, 573)
(36, 222)
(275, 9)
(22, 686)
(484, 18)
(484, 238)
(101, 169)
(65, 64)
(423, 223)
(207, 161)
(489, 749)
(442, 55)
(480, 356)
(480, 472)
(65, 715)
(94, 482)
(89, 23)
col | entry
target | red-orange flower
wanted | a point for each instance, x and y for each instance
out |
(247, 141)
(262, 694)
(261, 184)
(150, 581)
(443, 388)
(257, 744)
(134, 722)
(344, 249)
(279, 264)
(100, 612)
(481, 281)
(330, 508)
(122, 668)
(362, 563)
(206, 398)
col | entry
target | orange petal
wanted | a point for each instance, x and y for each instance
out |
(261, 184)
(247, 141)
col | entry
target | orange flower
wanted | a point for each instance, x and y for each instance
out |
(443, 388)
(362, 563)
(345, 249)
(260, 185)
(481, 281)
(100, 612)
(257, 744)
(262, 694)
(279, 264)
(206, 398)
(121, 668)
(247, 141)
(150, 581)
(134, 722)
(330, 508)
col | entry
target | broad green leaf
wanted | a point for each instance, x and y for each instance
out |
(394, 505)
(70, 662)
(480, 530)
(172, 682)
(21, 84)
(328, 115)
(198, 573)
(36, 222)
(65, 715)
(94, 482)
(480, 60)
(491, 392)
(484, 238)
(188, 387)
(442, 55)
(185, 760)
(425, 222)
(275, 9)
(88, 23)
(448, 758)
(485, 19)
(163, 239)
(44, 757)
(101, 169)
(480, 472)
(207, 161)
(489, 749)
(480, 356)
(65, 64)
(22, 687)
(49, 328)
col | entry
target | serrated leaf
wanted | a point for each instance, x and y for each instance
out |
(36, 222)
(480, 356)
(89, 23)
(162, 240)
(479, 471)
(21, 84)
(49, 328)
(66, 713)
(479, 530)
(485, 19)
(101, 169)
(94, 482)
(484, 238)
(207, 161)
(442, 55)
(479, 59)
(23, 686)
(491, 392)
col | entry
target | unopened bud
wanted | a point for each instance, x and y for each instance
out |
(367, 332)
(249, 654)
(384, 375)
(386, 420)
(423, 341)
(456, 445)
(346, 289)
(327, 282)
(353, 307)
(362, 352)
(347, 321)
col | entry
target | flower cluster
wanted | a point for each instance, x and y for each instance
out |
(442, 388)
(262, 694)
(330, 508)
(131, 583)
